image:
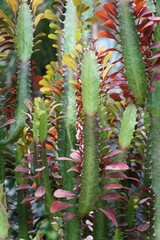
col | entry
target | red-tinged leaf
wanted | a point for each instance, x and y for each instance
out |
(8, 122)
(143, 227)
(68, 216)
(28, 199)
(156, 55)
(66, 159)
(76, 156)
(60, 193)
(110, 215)
(102, 14)
(156, 77)
(107, 35)
(57, 206)
(114, 196)
(1, 117)
(151, 89)
(40, 169)
(40, 192)
(109, 23)
(144, 200)
(154, 19)
(121, 175)
(110, 7)
(24, 186)
(117, 166)
(113, 153)
(139, 6)
(111, 186)
(155, 45)
(21, 168)
(115, 96)
(156, 65)
(144, 12)
(148, 24)
(74, 169)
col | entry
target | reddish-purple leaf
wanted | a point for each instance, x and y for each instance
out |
(21, 168)
(145, 200)
(143, 227)
(40, 169)
(60, 193)
(116, 166)
(114, 196)
(110, 215)
(144, 12)
(155, 45)
(121, 175)
(154, 19)
(74, 169)
(156, 55)
(40, 192)
(113, 153)
(1, 117)
(7, 123)
(68, 216)
(28, 199)
(24, 186)
(57, 206)
(111, 186)
(66, 159)
(76, 156)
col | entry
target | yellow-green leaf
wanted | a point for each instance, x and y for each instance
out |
(35, 4)
(6, 19)
(107, 57)
(50, 15)
(13, 5)
(53, 36)
(70, 62)
(2, 39)
(76, 2)
(107, 70)
(38, 19)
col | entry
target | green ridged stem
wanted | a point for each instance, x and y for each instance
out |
(100, 223)
(154, 109)
(46, 180)
(133, 59)
(67, 132)
(86, 33)
(24, 34)
(89, 189)
(117, 235)
(24, 44)
(154, 138)
(21, 208)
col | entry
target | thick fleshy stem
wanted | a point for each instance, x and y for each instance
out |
(21, 208)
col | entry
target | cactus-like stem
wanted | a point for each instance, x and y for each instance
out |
(24, 44)
(100, 224)
(133, 60)
(46, 180)
(21, 208)
(67, 133)
(90, 169)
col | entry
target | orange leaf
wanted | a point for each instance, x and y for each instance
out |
(102, 14)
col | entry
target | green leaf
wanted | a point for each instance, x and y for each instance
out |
(127, 128)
